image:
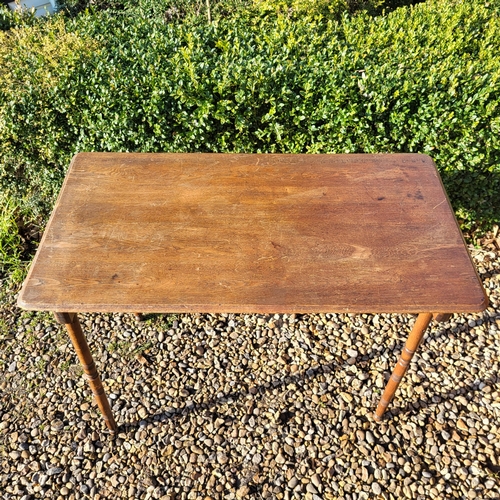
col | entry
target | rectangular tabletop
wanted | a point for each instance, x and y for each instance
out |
(252, 233)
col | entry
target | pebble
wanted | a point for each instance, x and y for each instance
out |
(227, 405)
(53, 471)
(445, 435)
(369, 437)
(346, 397)
(242, 492)
(310, 488)
(316, 480)
(57, 425)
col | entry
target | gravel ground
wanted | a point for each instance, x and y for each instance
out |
(249, 406)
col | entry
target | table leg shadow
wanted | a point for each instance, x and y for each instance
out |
(72, 324)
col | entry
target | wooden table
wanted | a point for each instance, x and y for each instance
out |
(252, 233)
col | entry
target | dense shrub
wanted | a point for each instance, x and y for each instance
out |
(35, 138)
(167, 10)
(14, 18)
(420, 79)
(10, 240)
(313, 8)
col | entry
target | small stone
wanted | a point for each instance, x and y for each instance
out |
(53, 471)
(57, 425)
(142, 412)
(445, 435)
(352, 353)
(64, 491)
(243, 491)
(489, 484)
(316, 481)
(461, 425)
(370, 438)
(200, 350)
(257, 459)
(280, 459)
(311, 489)
(346, 397)
(293, 482)
(81, 434)
(376, 488)
(364, 474)
(141, 359)
(12, 367)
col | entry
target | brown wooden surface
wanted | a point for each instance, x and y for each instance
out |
(441, 317)
(252, 233)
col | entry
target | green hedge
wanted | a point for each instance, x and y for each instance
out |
(420, 79)
(12, 18)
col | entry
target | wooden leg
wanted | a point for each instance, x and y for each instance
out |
(70, 320)
(409, 349)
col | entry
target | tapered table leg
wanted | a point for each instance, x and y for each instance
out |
(70, 321)
(409, 349)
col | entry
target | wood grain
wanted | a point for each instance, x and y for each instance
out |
(252, 233)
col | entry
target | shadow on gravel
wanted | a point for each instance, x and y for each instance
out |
(414, 407)
(259, 390)
(427, 402)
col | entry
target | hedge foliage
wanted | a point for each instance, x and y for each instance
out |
(196, 10)
(419, 79)
(12, 18)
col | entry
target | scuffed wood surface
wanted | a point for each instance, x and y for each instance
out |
(252, 233)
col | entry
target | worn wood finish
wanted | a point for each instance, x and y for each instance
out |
(407, 353)
(252, 233)
(70, 321)
(441, 317)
